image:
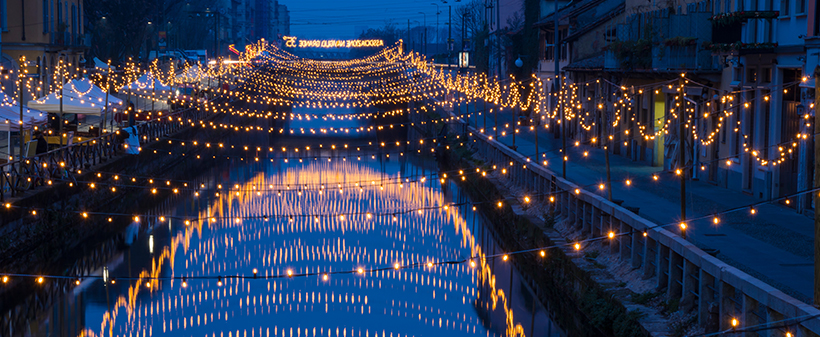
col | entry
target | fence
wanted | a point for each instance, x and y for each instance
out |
(698, 280)
(29, 173)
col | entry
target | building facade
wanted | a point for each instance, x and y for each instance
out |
(745, 68)
(44, 31)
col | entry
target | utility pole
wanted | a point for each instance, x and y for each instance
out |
(107, 90)
(498, 36)
(816, 194)
(20, 77)
(556, 48)
(437, 34)
(62, 79)
(450, 38)
(424, 35)
(681, 159)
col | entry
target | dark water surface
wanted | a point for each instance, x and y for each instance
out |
(323, 216)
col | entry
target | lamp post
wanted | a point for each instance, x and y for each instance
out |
(20, 77)
(437, 14)
(556, 47)
(450, 34)
(411, 35)
(424, 36)
(464, 16)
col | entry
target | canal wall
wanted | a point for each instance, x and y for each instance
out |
(694, 281)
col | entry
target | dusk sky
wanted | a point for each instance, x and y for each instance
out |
(328, 19)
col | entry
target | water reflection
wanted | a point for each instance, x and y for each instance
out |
(305, 233)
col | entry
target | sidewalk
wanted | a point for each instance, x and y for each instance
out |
(775, 245)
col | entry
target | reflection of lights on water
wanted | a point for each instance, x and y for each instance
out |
(451, 281)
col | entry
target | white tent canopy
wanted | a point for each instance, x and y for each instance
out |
(85, 88)
(10, 115)
(72, 104)
(192, 74)
(100, 65)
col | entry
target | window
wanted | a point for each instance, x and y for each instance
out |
(3, 16)
(800, 7)
(717, 6)
(562, 34)
(784, 7)
(59, 13)
(73, 22)
(751, 75)
(766, 75)
(611, 35)
(549, 52)
(45, 16)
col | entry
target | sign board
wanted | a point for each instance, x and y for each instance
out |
(294, 42)
(464, 59)
(162, 40)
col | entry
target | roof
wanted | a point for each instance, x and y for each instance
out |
(589, 63)
(601, 20)
(574, 6)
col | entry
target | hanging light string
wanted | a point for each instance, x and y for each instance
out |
(577, 245)
(783, 324)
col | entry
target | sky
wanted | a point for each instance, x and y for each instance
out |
(337, 19)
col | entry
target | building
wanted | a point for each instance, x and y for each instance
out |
(43, 31)
(746, 67)
(503, 17)
(282, 21)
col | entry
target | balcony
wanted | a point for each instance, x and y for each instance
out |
(687, 57)
(71, 40)
(671, 58)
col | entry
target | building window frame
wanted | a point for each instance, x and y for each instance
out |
(801, 7)
(45, 16)
(4, 20)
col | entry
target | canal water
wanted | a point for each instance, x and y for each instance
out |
(325, 214)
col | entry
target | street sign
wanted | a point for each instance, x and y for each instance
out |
(464, 59)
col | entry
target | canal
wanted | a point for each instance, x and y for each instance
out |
(307, 244)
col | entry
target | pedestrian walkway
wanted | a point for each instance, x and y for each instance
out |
(774, 245)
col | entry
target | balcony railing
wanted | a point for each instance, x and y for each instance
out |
(665, 58)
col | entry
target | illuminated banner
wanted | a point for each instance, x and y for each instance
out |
(292, 41)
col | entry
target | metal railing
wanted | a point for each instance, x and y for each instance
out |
(698, 280)
(27, 174)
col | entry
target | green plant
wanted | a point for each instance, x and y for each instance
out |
(671, 305)
(592, 254)
(633, 54)
(549, 220)
(644, 298)
(728, 19)
(680, 41)
(679, 328)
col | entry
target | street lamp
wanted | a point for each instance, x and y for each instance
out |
(450, 34)
(437, 14)
(424, 37)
